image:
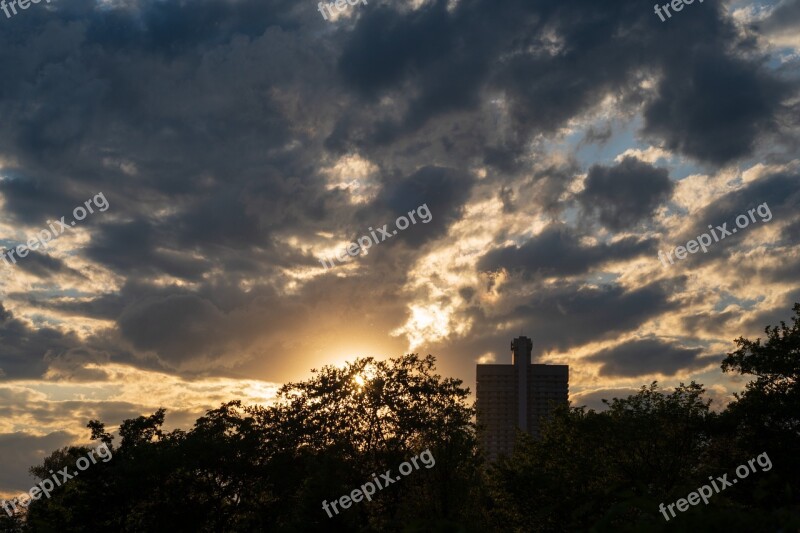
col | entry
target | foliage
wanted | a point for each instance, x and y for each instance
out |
(268, 468)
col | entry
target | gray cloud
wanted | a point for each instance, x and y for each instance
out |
(623, 195)
(444, 190)
(594, 399)
(23, 349)
(45, 266)
(648, 356)
(567, 315)
(557, 251)
(19, 451)
(780, 191)
(692, 122)
(784, 18)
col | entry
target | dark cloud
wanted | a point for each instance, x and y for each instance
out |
(557, 316)
(747, 101)
(549, 185)
(23, 349)
(648, 356)
(594, 399)
(72, 365)
(193, 116)
(623, 195)
(779, 191)
(718, 323)
(35, 200)
(104, 307)
(593, 136)
(553, 61)
(562, 315)
(45, 266)
(387, 46)
(784, 18)
(443, 190)
(506, 196)
(137, 247)
(18, 451)
(216, 327)
(179, 326)
(791, 232)
(753, 326)
(467, 293)
(557, 251)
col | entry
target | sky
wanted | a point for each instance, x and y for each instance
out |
(228, 147)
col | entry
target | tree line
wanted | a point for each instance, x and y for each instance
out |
(269, 468)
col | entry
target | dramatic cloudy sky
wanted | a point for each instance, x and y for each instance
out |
(558, 145)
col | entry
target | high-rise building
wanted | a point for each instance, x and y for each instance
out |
(517, 396)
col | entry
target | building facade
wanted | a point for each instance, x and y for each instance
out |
(517, 396)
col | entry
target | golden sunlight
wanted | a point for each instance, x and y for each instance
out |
(426, 324)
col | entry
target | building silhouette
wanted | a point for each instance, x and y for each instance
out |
(517, 396)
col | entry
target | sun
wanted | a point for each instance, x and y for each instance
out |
(359, 380)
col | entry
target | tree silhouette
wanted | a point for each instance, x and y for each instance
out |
(609, 471)
(611, 466)
(268, 468)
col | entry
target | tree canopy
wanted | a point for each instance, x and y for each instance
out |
(269, 468)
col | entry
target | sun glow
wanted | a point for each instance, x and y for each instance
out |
(427, 323)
